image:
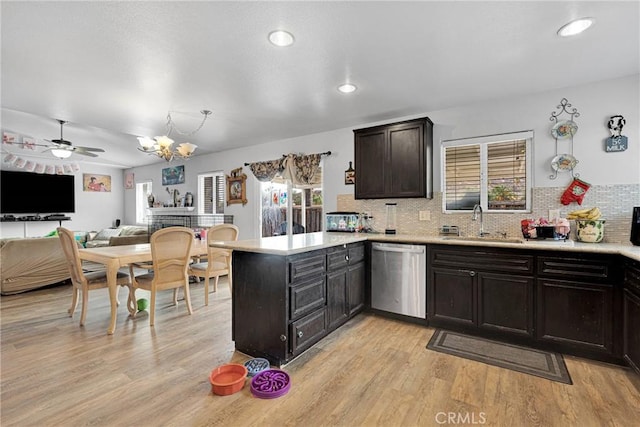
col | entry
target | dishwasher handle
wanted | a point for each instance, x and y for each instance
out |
(397, 248)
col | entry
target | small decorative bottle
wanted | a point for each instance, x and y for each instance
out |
(151, 199)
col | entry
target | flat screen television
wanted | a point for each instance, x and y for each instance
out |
(35, 193)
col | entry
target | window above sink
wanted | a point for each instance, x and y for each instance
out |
(492, 171)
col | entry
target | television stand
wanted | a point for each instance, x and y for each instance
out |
(34, 218)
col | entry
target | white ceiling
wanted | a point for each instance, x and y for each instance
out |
(114, 69)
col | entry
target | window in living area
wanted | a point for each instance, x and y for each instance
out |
(306, 202)
(211, 193)
(492, 171)
(143, 189)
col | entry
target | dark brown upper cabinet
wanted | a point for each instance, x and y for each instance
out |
(394, 160)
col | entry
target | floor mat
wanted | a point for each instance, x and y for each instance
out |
(522, 359)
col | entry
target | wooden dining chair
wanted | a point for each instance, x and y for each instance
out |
(84, 282)
(171, 254)
(218, 261)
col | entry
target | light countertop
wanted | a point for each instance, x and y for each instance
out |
(298, 243)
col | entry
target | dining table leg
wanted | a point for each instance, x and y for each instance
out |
(112, 281)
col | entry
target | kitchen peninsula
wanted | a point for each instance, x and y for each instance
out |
(291, 291)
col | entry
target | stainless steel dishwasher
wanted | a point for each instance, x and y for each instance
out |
(399, 278)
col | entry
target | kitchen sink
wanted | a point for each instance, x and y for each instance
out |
(484, 239)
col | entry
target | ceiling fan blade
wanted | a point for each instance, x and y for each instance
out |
(98, 150)
(85, 153)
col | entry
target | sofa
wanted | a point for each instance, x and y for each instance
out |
(123, 235)
(31, 263)
(35, 262)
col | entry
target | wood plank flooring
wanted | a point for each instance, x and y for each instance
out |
(371, 372)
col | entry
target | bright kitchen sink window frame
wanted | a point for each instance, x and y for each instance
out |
(494, 171)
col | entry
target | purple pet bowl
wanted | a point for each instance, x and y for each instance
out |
(270, 383)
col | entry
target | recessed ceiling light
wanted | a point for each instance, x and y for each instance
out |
(575, 27)
(347, 88)
(281, 38)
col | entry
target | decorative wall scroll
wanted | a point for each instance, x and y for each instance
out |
(236, 187)
(350, 175)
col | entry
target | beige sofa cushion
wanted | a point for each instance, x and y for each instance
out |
(108, 235)
(31, 263)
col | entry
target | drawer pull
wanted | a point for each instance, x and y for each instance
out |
(300, 334)
(346, 257)
(472, 273)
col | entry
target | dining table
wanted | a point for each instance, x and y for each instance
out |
(116, 257)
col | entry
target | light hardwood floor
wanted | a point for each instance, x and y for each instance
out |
(370, 372)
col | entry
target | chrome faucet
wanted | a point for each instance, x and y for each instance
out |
(476, 209)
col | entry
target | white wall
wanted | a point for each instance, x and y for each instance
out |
(94, 210)
(595, 103)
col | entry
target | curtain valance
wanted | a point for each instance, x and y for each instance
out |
(266, 171)
(299, 168)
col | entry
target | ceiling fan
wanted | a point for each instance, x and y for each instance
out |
(62, 148)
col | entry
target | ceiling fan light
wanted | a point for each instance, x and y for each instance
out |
(61, 154)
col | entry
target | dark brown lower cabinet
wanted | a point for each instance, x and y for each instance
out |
(570, 302)
(282, 305)
(505, 303)
(308, 330)
(337, 309)
(576, 315)
(631, 312)
(631, 315)
(345, 283)
(452, 297)
(576, 295)
(356, 287)
(481, 289)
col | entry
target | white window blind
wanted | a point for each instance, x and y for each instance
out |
(211, 188)
(493, 171)
(143, 189)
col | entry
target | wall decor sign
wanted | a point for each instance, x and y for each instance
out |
(95, 182)
(173, 175)
(616, 142)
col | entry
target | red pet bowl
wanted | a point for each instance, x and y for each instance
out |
(228, 379)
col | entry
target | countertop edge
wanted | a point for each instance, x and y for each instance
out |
(283, 245)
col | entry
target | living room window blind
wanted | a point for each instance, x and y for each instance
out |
(493, 171)
(211, 187)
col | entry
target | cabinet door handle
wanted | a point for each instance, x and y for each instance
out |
(283, 337)
(300, 334)
(472, 273)
(346, 257)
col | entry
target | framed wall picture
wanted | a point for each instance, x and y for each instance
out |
(173, 175)
(95, 182)
(350, 175)
(129, 180)
(236, 187)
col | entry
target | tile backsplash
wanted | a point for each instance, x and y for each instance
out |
(615, 202)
